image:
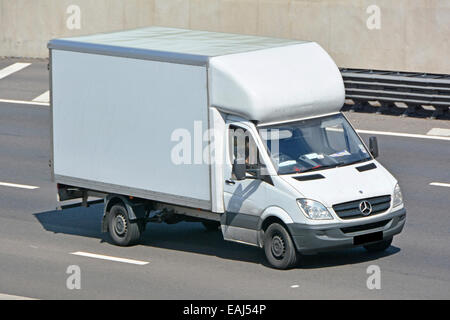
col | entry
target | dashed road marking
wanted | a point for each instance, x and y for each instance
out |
(14, 185)
(100, 256)
(440, 184)
(12, 68)
(439, 132)
(36, 103)
(11, 297)
(45, 97)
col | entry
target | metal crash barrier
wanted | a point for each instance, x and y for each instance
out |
(415, 90)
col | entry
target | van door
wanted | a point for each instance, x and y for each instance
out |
(243, 199)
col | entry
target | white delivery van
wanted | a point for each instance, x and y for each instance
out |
(236, 131)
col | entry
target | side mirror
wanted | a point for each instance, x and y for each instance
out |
(239, 169)
(373, 146)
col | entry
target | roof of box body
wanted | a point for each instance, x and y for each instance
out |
(259, 78)
(168, 44)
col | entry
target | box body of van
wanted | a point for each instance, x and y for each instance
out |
(241, 132)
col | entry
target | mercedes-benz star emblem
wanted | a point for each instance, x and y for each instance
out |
(365, 207)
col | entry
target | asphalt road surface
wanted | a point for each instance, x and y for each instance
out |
(184, 261)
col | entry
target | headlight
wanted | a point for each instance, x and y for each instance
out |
(398, 197)
(314, 210)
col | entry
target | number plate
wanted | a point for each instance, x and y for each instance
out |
(366, 238)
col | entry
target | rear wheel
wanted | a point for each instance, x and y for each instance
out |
(211, 225)
(279, 248)
(122, 231)
(378, 246)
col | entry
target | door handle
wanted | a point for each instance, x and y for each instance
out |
(231, 182)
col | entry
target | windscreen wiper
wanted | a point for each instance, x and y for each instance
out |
(320, 167)
(353, 162)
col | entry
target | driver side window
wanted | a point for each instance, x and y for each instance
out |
(243, 148)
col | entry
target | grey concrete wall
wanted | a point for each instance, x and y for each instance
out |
(406, 35)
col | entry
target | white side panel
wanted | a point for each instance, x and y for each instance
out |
(277, 84)
(217, 138)
(114, 118)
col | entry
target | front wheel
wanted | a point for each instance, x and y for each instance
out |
(122, 231)
(378, 246)
(279, 248)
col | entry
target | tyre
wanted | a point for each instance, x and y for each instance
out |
(378, 246)
(122, 231)
(279, 248)
(211, 225)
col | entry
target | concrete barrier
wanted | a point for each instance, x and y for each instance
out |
(398, 35)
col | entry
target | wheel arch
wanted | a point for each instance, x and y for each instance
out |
(134, 209)
(269, 216)
(274, 213)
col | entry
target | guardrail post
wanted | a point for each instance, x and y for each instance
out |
(438, 112)
(412, 109)
(384, 107)
(358, 106)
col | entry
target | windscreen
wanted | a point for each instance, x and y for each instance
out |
(313, 144)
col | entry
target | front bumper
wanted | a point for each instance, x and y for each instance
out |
(325, 237)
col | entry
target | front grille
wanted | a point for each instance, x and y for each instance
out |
(364, 227)
(350, 210)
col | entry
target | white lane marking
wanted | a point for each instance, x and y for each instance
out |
(36, 103)
(45, 97)
(13, 68)
(14, 185)
(439, 132)
(11, 297)
(295, 286)
(99, 256)
(440, 184)
(407, 135)
(386, 133)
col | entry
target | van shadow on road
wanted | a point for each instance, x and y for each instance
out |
(192, 237)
